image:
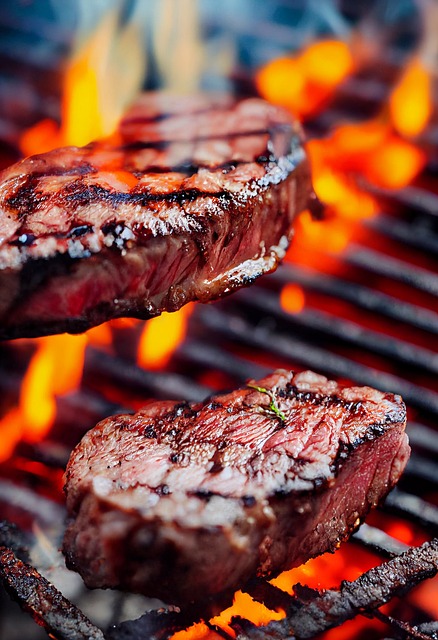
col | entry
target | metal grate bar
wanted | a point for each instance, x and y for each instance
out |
(422, 468)
(414, 508)
(413, 199)
(205, 355)
(394, 268)
(343, 330)
(361, 296)
(378, 540)
(236, 328)
(422, 436)
(411, 234)
(161, 385)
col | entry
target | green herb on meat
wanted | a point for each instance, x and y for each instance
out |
(273, 405)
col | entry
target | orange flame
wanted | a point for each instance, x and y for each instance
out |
(374, 151)
(95, 93)
(410, 103)
(323, 572)
(292, 298)
(96, 88)
(304, 83)
(55, 369)
(161, 336)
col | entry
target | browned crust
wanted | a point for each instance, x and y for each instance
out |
(156, 223)
(212, 535)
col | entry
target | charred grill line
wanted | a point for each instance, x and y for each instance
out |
(210, 233)
(313, 612)
(369, 420)
(361, 296)
(43, 601)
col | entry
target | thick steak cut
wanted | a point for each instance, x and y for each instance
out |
(189, 200)
(188, 501)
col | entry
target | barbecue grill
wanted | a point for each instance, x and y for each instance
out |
(366, 314)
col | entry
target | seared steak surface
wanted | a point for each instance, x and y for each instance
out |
(187, 501)
(190, 199)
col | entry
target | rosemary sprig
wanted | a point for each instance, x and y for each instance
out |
(273, 404)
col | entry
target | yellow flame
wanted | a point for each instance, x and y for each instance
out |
(410, 103)
(55, 369)
(101, 79)
(103, 76)
(248, 608)
(161, 336)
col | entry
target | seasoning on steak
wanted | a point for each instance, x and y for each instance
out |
(186, 501)
(189, 200)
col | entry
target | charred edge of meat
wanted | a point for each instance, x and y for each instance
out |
(312, 499)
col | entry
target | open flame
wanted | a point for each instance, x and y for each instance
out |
(154, 352)
(97, 87)
(101, 78)
(379, 151)
(352, 153)
(304, 83)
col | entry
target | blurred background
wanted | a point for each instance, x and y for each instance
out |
(182, 45)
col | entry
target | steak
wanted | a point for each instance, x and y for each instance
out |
(190, 199)
(188, 501)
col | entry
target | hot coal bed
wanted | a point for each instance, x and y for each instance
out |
(369, 316)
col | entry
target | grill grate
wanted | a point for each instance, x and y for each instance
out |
(385, 336)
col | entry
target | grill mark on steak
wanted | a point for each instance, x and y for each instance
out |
(230, 135)
(225, 488)
(151, 218)
(318, 399)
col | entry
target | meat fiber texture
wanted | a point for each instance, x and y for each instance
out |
(186, 502)
(189, 200)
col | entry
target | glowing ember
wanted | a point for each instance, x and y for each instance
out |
(161, 336)
(100, 336)
(395, 164)
(305, 82)
(248, 608)
(373, 151)
(292, 298)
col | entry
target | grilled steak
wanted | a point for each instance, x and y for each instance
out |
(189, 200)
(188, 501)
